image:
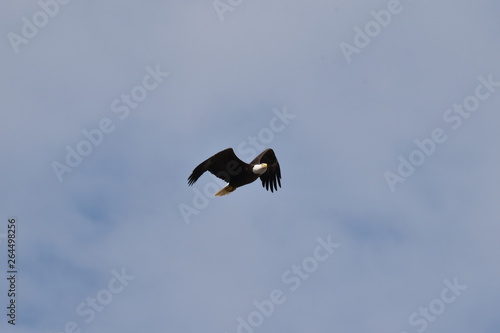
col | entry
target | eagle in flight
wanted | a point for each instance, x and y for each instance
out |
(227, 166)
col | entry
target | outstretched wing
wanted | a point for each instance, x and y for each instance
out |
(224, 165)
(272, 177)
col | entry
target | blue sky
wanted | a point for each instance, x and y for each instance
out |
(388, 154)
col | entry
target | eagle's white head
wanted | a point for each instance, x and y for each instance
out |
(259, 169)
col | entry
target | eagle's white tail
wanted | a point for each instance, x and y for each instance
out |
(225, 190)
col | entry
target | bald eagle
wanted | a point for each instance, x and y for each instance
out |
(227, 166)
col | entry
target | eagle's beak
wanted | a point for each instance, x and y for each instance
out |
(264, 165)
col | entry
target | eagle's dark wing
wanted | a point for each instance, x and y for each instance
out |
(272, 177)
(224, 165)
